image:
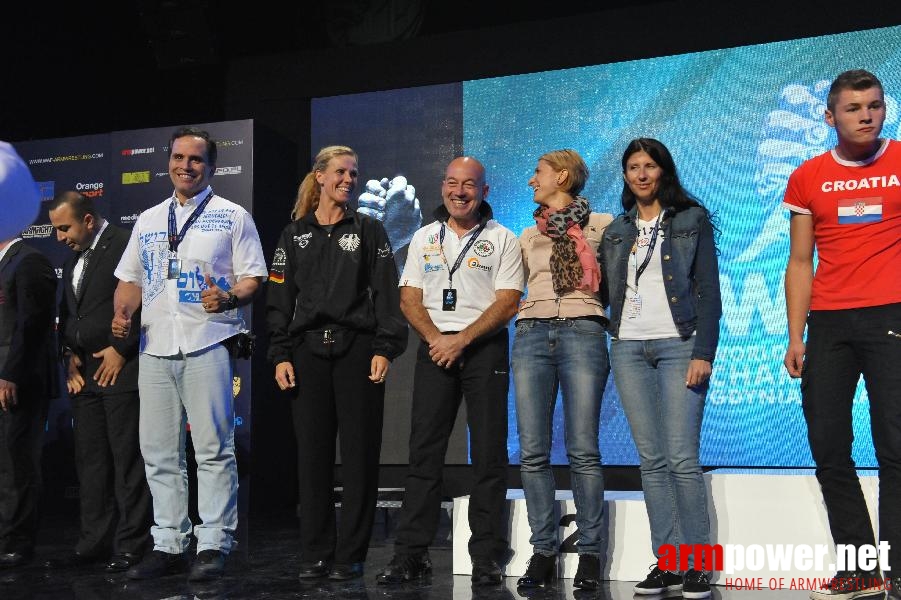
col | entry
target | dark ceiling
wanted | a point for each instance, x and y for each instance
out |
(241, 29)
(137, 63)
(89, 67)
(173, 34)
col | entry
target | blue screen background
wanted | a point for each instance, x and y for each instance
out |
(737, 122)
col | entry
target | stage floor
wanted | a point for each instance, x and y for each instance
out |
(266, 566)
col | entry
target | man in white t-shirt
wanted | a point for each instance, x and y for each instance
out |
(192, 261)
(461, 285)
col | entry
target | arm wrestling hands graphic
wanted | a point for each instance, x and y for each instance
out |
(394, 203)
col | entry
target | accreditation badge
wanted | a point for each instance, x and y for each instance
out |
(633, 307)
(449, 299)
(174, 268)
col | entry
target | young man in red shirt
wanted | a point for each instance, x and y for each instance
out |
(846, 203)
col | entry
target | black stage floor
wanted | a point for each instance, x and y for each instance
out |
(265, 567)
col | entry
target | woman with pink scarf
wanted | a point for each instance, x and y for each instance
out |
(561, 345)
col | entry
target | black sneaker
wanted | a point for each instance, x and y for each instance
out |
(588, 575)
(541, 571)
(158, 564)
(404, 568)
(659, 581)
(695, 584)
(851, 584)
(209, 565)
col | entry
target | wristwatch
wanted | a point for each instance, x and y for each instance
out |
(232, 302)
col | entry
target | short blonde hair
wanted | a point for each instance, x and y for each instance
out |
(569, 161)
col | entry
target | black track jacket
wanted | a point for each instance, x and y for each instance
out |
(346, 278)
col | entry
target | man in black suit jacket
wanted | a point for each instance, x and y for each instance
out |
(27, 292)
(102, 379)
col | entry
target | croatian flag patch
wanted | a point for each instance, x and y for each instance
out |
(859, 210)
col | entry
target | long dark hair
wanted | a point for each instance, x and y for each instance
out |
(670, 193)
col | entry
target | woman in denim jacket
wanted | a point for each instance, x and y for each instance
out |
(661, 280)
(561, 343)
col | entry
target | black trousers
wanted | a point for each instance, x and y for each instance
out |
(483, 381)
(336, 398)
(115, 504)
(842, 345)
(21, 442)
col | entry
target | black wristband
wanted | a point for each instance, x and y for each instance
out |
(232, 302)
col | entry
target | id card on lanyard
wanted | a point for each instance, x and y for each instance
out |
(176, 237)
(449, 294)
(633, 303)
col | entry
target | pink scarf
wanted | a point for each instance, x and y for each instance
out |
(573, 263)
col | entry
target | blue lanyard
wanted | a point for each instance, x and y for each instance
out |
(176, 239)
(472, 240)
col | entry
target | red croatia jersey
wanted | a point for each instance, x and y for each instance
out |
(856, 210)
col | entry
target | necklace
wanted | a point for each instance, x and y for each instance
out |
(325, 220)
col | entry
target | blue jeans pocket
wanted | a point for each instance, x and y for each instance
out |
(589, 327)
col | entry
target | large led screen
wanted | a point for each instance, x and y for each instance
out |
(737, 121)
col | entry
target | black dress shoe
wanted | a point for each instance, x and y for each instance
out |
(209, 565)
(158, 564)
(313, 570)
(588, 575)
(16, 558)
(342, 572)
(404, 568)
(542, 570)
(75, 559)
(122, 561)
(485, 571)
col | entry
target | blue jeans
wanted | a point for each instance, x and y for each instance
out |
(198, 385)
(547, 355)
(665, 418)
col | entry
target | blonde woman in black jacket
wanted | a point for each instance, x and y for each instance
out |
(334, 318)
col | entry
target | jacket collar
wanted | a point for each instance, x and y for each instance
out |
(667, 213)
(310, 218)
(485, 213)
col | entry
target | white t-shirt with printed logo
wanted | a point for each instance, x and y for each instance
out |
(493, 262)
(646, 313)
(223, 243)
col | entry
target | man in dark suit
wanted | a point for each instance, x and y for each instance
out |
(102, 379)
(27, 292)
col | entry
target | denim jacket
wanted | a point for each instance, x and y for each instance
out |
(690, 274)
